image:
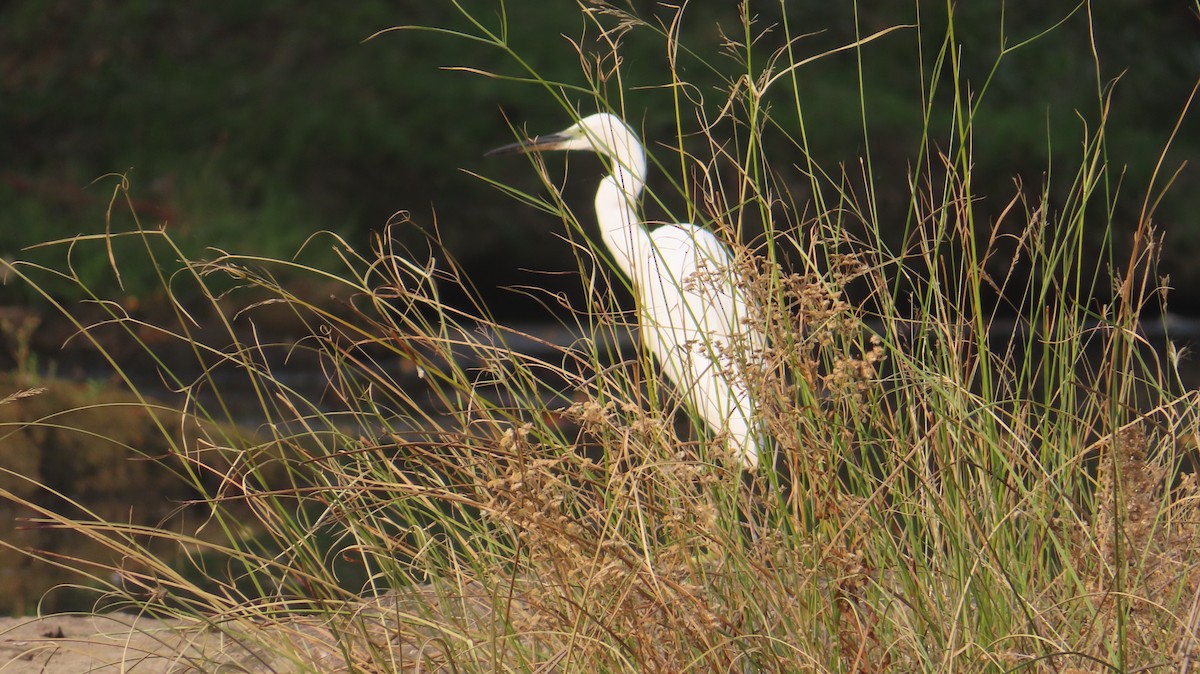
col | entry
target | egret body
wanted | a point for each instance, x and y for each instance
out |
(693, 314)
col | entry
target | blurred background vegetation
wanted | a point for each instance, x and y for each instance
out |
(250, 126)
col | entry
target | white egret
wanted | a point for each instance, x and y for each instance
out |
(693, 314)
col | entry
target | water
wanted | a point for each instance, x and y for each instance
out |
(96, 473)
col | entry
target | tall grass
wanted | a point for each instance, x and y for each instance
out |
(978, 452)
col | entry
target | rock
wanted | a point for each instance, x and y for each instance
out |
(69, 644)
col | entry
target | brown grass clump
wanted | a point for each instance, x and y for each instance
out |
(1138, 549)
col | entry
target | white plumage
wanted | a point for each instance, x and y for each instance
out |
(693, 313)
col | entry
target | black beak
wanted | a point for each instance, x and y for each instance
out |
(550, 141)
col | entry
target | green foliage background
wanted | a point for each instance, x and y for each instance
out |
(249, 126)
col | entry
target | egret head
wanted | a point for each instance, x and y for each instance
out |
(602, 133)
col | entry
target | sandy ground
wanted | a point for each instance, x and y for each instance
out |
(75, 644)
(410, 633)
